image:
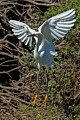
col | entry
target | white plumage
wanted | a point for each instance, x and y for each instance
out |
(55, 27)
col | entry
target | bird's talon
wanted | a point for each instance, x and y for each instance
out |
(34, 102)
(45, 99)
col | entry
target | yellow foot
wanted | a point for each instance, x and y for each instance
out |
(34, 102)
(45, 99)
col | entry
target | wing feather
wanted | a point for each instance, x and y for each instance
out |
(19, 33)
(22, 36)
(22, 30)
(58, 26)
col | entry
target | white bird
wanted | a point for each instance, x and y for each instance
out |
(55, 27)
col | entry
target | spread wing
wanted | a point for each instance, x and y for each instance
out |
(22, 30)
(58, 26)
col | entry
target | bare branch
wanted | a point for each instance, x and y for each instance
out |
(41, 4)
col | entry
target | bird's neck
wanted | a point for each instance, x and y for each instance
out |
(36, 54)
(38, 42)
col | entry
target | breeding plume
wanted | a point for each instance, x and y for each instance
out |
(55, 27)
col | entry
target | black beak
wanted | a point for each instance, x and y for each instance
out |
(32, 35)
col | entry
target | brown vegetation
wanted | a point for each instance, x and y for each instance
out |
(17, 87)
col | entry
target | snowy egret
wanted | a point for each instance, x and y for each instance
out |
(55, 27)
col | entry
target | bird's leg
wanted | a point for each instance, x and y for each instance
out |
(34, 102)
(39, 81)
(46, 97)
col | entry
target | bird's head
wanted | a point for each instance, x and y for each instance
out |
(36, 34)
